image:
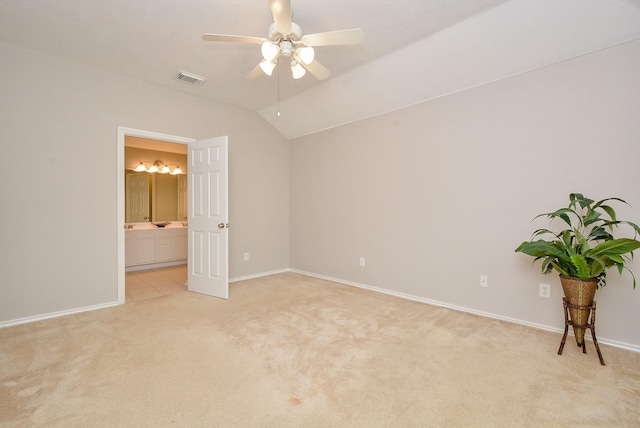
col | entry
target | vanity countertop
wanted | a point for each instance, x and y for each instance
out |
(150, 226)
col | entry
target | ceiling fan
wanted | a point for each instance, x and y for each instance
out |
(286, 40)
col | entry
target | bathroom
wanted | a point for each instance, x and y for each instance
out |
(155, 218)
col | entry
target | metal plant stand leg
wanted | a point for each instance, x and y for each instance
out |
(591, 325)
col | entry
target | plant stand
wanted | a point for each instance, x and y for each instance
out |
(590, 325)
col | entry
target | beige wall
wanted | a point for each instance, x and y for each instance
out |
(432, 196)
(435, 195)
(58, 143)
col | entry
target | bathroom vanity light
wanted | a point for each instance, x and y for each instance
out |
(158, 166)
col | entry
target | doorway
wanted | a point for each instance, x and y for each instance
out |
(124, 132)
(155, 260)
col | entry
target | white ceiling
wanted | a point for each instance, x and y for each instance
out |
(414, 50)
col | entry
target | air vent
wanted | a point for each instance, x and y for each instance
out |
(190, 78)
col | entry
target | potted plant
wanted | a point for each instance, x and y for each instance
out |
(583, 252)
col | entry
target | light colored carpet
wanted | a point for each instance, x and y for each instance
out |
(293, 351)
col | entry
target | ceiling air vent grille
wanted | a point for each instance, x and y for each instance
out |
(190, 78)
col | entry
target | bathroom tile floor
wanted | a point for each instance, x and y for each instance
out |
(147, 284)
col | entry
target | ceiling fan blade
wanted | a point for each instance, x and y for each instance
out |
(281, 11)
(255, 73)
(354, 36)
(318, 70)
(230, 38)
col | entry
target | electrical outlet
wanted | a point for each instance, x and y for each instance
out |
(545, 290)
(246, 257)
(362, 264)
(484, 281)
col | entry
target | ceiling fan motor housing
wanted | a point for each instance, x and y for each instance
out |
(276, 36)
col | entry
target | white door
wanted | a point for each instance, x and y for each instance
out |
(137, 197)
(208, 260)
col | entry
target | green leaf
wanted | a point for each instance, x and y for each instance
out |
(540, 249)
(581, 242)
(616, 259)
(617, 222)
(610, 211)
(562, 213)
(633, 276)
(546, 265)
(565, 217)
(579, 199)
(597, 268)
(614, 247)
(591, 217)
(566, 245)
(633, 225)
(543, 232)
(598, 234)
(560, 269)
(582, 268)
(599, 203)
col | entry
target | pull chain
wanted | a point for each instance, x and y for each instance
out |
(278, 90)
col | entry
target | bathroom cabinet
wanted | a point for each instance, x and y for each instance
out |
(153, 248)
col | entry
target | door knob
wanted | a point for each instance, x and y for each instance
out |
(221, 226)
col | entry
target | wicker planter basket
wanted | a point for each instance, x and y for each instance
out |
(579, 292)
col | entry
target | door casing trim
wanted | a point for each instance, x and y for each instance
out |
(123, 132)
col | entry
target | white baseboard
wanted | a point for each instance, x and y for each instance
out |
(35, 318)
(258, 275)
(610, 342)
(155, 266)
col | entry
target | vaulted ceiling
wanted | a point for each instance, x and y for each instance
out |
(414, 50)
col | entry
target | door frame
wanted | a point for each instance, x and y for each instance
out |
(122, 133)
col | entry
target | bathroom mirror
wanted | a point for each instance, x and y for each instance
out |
(168, 197)
(155, 197)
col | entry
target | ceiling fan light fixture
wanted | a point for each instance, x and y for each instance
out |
(306, 54)
(285, 39)
(270, 51)
(297, 70)
(267, 67)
